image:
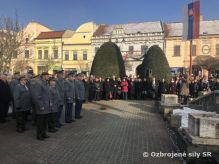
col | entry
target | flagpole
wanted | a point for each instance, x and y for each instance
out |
(190, 60)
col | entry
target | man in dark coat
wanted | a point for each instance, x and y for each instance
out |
(145, 88)
(97, 89)
(42, 102)
(162, 88)
(131, 89)
(79, 94)
(22, 103)
(114, 87)
(60, 88)
(5, 97)
(138, 88)
(91, 89)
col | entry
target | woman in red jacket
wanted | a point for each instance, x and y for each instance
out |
(124, 86)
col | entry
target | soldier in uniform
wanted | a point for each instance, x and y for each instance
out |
(31, 84)
(69, 97)
(80, 95)
(13, 83)
(22, 103)
(42, 104)
(54, 104)
(60, 88)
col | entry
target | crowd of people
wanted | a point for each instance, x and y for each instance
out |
(45, 96)
(141, 89)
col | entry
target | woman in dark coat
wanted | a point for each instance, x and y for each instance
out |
(5, 97)
(107, 87)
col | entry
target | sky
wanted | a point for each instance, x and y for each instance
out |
(70, 14)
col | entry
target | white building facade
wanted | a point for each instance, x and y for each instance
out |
(133, 39)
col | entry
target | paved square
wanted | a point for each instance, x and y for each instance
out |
(118, 135)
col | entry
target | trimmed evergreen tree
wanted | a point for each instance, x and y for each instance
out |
(155, 60)
(108, 61)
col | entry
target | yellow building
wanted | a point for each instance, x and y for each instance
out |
(49, 50)
(77, 50)
(204, 50)
(25, 58)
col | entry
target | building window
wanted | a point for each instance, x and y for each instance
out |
(193, 50)
(217, 49)
(45, 54)
(39, 54)
(177, 50)
(75, 55)
(131, 50)
(66, 55)
(27, 53)
(55, 52)
(143, 49)
(84, 55)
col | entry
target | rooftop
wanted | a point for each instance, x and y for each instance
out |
(131, 28)
(50, 35)
(206, 27)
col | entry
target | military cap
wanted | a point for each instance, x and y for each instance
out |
(36, 76)
(23, 77)
(80, 74)
(16, 73)
(71, 73)
(30, 72)
(60, 72)
(52, 79)
(45, 73)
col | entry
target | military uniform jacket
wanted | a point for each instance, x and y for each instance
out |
(80, 90)
(41, 97)
(60, 85)
(13, 84)
(22, 98)
(69, 91)
(54, 99)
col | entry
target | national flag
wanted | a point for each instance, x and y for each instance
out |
(191, 23)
